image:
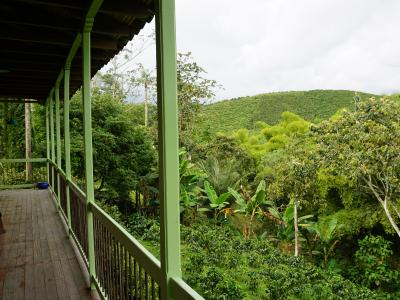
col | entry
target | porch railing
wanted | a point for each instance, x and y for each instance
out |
(124, 269)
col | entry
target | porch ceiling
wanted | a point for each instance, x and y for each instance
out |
(36, 37)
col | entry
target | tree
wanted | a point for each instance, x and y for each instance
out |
(117, 79)
(144, 78)
(28, 141)
(269, 138)
(111, 82)
(122, 152)
(296, 181)
(13, 131)
(223, 153)
(363, 147)
(193, 90)
(221, 175)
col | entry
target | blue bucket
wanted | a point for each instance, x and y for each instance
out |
(42, 185)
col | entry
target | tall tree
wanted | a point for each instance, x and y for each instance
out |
(28, 141)
(122, 151)
(144, 79)
(193, 90)
(363, 146)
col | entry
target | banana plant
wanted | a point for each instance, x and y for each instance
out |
(189, 179)
(290, 222)
(188, 199)
(216, 203)
(325, 231)
(251, 207)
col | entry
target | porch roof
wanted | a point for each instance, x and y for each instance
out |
(36, 37)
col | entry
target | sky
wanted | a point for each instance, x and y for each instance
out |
(258, 46)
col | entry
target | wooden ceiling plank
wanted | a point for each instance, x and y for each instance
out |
(120, 7)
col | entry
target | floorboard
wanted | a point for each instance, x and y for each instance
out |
(37, 260)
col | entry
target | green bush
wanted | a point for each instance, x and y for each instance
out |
(373, 268)
(220, 264)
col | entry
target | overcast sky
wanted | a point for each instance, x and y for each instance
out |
(258, 46)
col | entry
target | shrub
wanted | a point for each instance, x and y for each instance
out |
(220, 264)
(373, 268)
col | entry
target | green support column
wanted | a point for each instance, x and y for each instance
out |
(53, 150)
(168, 144)
(58, 138)
(47, 139)
(67, 142)
(87, 124)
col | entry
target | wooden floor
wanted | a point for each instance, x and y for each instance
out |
(37, 260)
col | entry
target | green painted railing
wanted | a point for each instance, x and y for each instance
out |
(119, 267)
(125, 269)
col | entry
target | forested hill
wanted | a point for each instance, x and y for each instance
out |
(233, 114)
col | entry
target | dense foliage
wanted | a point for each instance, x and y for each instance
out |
(306, 199)
(12, 145)
(220, 264)
(296, 197)
(122, 151)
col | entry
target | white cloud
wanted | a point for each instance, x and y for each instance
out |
(259, 46)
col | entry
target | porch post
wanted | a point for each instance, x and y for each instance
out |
(53, 150)
(47, 139)
(168, 144)
(58, 139)
(67, 143)
(87, 124)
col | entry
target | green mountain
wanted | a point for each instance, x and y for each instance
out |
(230, 115)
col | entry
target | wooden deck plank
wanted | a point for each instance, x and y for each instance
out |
(37, 260)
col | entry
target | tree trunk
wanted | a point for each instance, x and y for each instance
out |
(384, 203)
(145, 104)
(6, 146)
(28, 141)
(395, 209)
(389, 216)
(296, 231)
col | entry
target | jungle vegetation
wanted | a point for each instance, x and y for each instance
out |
(291, 195)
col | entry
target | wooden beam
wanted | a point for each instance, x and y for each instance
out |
(104, 24)
(24, 85)
(9, 59)
(39, 53)
(23, 46)
(127, 8)
(119, 7)
(17, 101)
(35, 96)
(51, 38)
(38, 18)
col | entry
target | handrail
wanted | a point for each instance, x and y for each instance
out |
(113, 257)
(181, 290)
(22, 160)
(76, 188)
(142, 255)
(72, 184)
